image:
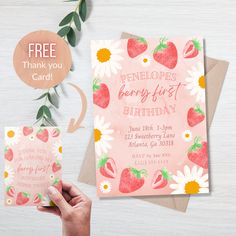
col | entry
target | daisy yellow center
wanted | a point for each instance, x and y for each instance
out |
(5, 174)
(60, 149)
(105, 186)
(97, 135)
(10, 134)
(103, 55)
(187, 135)
(192, 187)
(201, 82)
(145, 60)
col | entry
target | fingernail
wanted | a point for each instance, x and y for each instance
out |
(52, 190)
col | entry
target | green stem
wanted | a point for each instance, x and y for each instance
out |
(76, 9)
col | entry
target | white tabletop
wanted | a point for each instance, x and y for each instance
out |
(214, 20)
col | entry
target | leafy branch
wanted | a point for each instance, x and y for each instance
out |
(72, 22)
(44, 115)
(70, 25)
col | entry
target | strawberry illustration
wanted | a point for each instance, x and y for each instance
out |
(195, 115)
(56, 166)
(131, 180)
(166, 54)
(38, 197)
(160, 179)
(58, 184)
(101, 94)
(22, 198)
(198, 153)
(27, 130)
(10, 191)
(107, 167)
(191, 48)
(136, 46)
(8, 154)
(42, 134)
(55, 132)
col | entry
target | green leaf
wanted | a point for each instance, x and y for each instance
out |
(138, 173)
(50, 121)
(142, 40)
(67, 19)
(96, 85)
(197, 44)
(40, 113)
(102, 161)
(47, 112)
(72, 67)
(52, 100)
(63, 31)
(42, 96)
(165, 174)
(83, 10)
(77, 21)
(71, 38)
(55, 90)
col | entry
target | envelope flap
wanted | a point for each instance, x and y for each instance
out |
(215, 79)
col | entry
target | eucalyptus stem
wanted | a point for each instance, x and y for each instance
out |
(71, 23)
(44, 115)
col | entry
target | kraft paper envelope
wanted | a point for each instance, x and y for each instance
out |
(215, 75)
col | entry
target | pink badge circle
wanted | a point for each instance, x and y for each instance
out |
(42, 59)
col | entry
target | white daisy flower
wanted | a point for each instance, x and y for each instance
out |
(145, 60)
(12, 135)
(196, 82)
(102, 135)
(105, 187)
(187, 135)
(8, 175)
(57, 150)
(106, 57)
(190, 182)
(9, 201)
(31, 137)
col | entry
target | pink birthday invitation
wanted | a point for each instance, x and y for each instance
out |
(150, 116)
(32, 163)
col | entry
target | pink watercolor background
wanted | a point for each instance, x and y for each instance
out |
(33, 183)
(120, 123)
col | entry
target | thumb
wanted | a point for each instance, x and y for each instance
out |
(59, 200)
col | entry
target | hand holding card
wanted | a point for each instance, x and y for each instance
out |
(32, 164)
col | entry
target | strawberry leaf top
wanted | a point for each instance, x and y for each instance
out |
(196, 145)
(142, 40)
(40, 196)
(57, 163)
(138, 173)
(165, 174)
(26, 194)
(57, 180)
(161, 46)
(96, 85)
(197, 44)
(8, 188)
(102, 161)
(197, 108)
(6, 149)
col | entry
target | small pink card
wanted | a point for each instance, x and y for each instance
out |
(150, 116)
(32, 164)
